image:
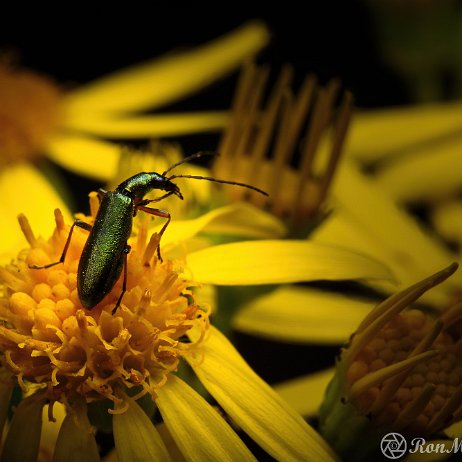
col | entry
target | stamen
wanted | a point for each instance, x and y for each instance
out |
(59, 220)
(452, 315)
(251, 114)
(144, 302)
(142, 233)
(94, 201)
(82, 322)
(27, 230)
(379, 376)
(268, 120)
(281, 153)
(150, 249)
(163, 289)
(318, 122)
(420, 287)
(386, 310)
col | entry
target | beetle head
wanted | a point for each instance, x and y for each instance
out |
(172, 188)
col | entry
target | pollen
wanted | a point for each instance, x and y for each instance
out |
(29, 112)
(47, 338)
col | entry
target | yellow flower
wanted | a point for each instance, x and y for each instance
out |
(59, 351)
(415, 159)
(281, 147)
(400, 372)
(412, 155)
(274, 145)
(70, 127)
(361, 217)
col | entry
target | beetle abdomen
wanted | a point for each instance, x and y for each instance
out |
(103, 255)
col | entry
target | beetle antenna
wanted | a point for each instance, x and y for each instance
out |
(208, 178)
(197, 155)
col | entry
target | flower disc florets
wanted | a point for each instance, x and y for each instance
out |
(48, 338)
(30, 106)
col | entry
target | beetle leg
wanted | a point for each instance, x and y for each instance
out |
(80, 224)
(124, 283)
(158, 213)
(148, 201)
(143, 202)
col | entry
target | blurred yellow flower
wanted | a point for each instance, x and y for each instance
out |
(416, 160)
(36, 117)
(59, 351)
(398, 158)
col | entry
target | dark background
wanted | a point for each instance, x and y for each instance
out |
(330, 38)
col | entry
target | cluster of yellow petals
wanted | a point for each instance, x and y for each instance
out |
(441, 374)
(48, 338)
(29, 112)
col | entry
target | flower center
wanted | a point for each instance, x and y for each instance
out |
(442, 373)
(267, 145)
(48, 338)
(29, 112)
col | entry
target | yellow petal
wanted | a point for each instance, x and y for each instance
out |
(302, 315)
(367, 220)
(161, 81)
(197, 428)
(76, 440)
(432, 173)
(23, 189)
(275, 262)
(237, 219)
(255, 407)
(86, 156)
(147, 126)
(51, 428)
(305, 394)
(454, 430)
(136, 438)
(447, 219)
(386, 133)
(23, 438)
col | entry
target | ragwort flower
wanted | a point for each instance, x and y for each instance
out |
(400, 372)
(329, 201)
(282, 147)
(37, 117)
(57, 351)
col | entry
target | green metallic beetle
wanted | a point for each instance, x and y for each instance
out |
(105, 252)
